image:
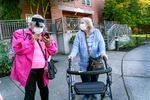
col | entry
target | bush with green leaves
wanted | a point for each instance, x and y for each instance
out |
(5, 63)
(72, 39)
(134, 42)
(129, 45)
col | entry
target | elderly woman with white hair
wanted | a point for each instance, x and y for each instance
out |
(32, 49)
(88, 42)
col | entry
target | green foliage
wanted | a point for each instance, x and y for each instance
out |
(5, 64)
(131, 12)
(9, 9)
(72, 39)
(135, 41)
(129, 45)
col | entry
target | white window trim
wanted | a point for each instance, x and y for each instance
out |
(86, 3)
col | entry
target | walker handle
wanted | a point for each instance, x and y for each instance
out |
(70, 61)
(105, 61)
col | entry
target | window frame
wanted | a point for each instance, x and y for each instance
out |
(86, 2)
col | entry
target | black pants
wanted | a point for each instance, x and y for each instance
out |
(89, 78)
(36, 76)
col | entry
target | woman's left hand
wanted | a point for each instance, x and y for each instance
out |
(47, 41)
(46, 69)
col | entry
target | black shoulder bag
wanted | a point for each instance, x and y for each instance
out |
(93, 63)
(51, 67)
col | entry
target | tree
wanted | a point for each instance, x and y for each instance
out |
(131, 12)
(39, 5)
(9, 9)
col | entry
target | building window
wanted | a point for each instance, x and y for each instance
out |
(86, 2)
(72, 23)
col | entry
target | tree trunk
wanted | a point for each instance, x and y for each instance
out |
(31, 10)
(45, 11)
(37, 9)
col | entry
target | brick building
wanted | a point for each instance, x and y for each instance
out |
(78, 8)
(65, 14)
(71, 9)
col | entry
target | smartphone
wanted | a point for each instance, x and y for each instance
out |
(46, 35)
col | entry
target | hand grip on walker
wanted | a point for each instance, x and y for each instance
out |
(69, 60)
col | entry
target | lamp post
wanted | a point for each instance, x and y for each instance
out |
(116, 43)
(137, 39)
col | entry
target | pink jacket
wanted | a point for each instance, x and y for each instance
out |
(24, 50)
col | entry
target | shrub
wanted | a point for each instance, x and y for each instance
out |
(129, 45)
(134, 42)
(72, 39)
(5, 64)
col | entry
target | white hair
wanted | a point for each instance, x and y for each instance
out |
(88, 21)
(37, 16)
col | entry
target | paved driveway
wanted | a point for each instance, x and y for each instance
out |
(136, 71)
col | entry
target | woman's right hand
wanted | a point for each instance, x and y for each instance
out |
(70, 57)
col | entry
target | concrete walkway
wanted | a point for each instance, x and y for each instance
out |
(134, 65)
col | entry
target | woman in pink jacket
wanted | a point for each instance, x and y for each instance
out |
(29, 66)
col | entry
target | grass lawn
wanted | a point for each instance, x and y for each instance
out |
(141, 35)
(136, 40)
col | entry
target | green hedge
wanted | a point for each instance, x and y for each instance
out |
(5, 64)
(135, 41)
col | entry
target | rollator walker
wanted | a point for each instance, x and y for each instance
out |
(82, 88)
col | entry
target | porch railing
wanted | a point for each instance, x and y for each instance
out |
(59, 26)
(7, 27)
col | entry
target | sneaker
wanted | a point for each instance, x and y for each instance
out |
(85, 98)
(93, 97)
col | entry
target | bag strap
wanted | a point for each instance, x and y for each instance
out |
(25, 34)
(87, 44)
(42, 49)
(55, 70)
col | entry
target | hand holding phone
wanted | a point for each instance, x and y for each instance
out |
(46, 35)
(46, 39)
